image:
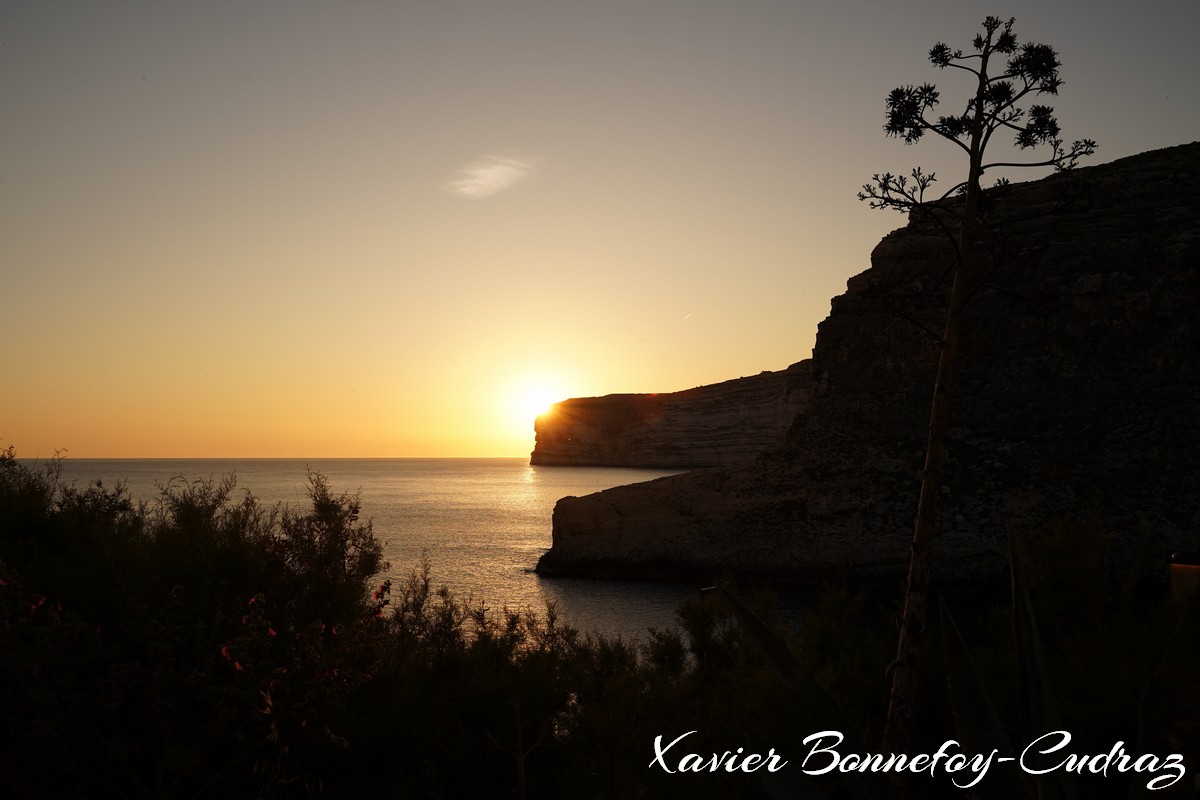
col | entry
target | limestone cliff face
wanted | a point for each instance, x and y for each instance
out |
(724, 423)
(1076, 403)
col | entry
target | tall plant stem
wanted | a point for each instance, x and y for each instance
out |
(899, 734)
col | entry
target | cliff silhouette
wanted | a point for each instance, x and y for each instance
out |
(724, 423)
(1077, 404)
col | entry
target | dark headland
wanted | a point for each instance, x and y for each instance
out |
(1076, 405)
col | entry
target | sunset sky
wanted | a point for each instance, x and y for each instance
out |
(300, 229)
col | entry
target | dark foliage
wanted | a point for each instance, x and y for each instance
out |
(206, 646)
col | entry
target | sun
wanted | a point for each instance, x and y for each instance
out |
(534, 401)
(523, 397)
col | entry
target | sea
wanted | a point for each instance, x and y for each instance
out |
(481, 524)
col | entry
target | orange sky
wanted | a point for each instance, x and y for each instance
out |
(387, 229)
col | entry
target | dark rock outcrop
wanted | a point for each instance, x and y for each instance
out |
(724, 423)
(1076, 403)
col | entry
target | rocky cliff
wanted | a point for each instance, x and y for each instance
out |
(724, 423)
(1075, 405)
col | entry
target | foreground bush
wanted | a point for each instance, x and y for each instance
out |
(166, 650)
(206, 646)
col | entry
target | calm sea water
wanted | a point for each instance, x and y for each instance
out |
(482, 523)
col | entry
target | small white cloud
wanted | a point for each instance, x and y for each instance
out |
(488, 176)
